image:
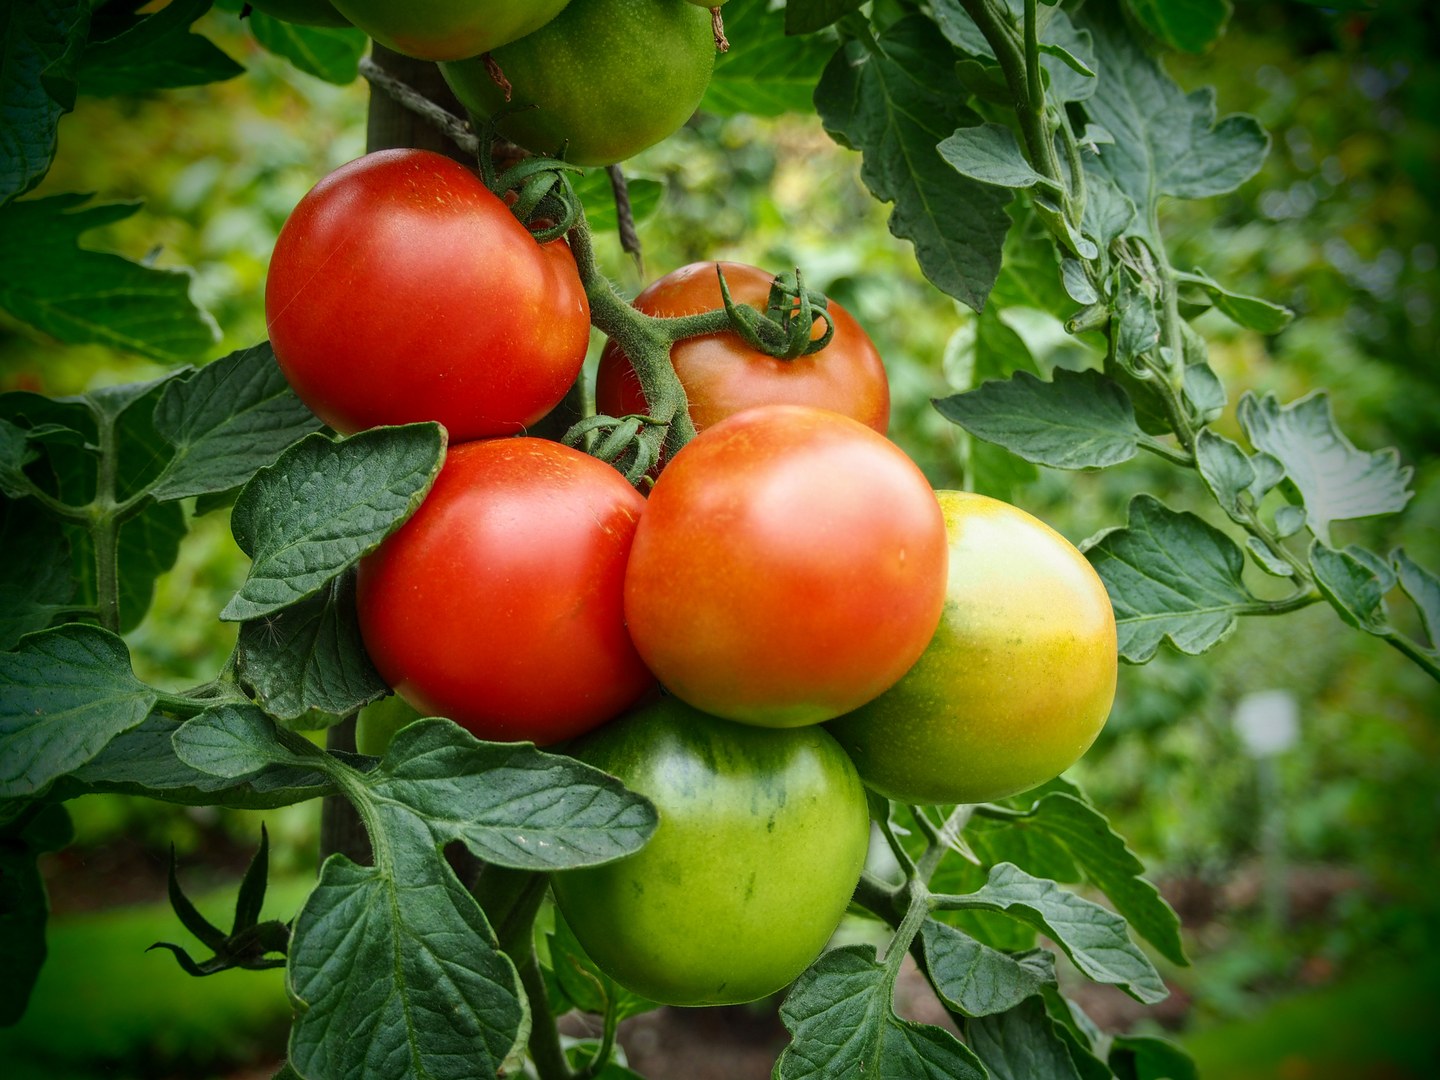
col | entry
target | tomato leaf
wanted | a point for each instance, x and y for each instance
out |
(839, 1012)
(227, 420)
(1191, 25)
(1022, 1043)
(1148, 1057)
(310, 656)
(331, 53)
(235, 741)
(1067, 54)
(35, 580)
(584, 985)
(1423, 588)
(1355, 582)
(767, 73)
(40, 44)
(978, 980)
(990, 154)
(1171, 576)
(1336, 481)
(1250, 312)
(321, 506)
(804, 16)
(25, 908)
(155, 52)
(895, 104)
(1093, 937)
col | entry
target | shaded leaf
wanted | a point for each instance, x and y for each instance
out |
(1021, 1044)
(1148, 1057)
(40, 42)
(1350, 582)
(331, 53)
(766, 73)
(1423, 587)
(1189, 25)
(24, 907)
(234, 741)
(979, 980)
(583, 985)
(990, 154)
(803, 16)
(155, 52)
(35, 580)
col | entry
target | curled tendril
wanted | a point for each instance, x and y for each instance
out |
(545, 200)
(784, 329)
(630, 443)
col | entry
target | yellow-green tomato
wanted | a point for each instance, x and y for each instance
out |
(1018, 679)
(761, 841)
(379, 721)
(448, 29)
(604, 78)
(302, 12)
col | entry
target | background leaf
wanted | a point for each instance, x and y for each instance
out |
(40, 43)
(1021, 1044)
(154, 52)
(765, 73)
(24, 907)
(331, 53)
(1189, 25)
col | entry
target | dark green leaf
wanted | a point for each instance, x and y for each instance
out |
(1079, 1034)
(1337, 481)
(803, 16)
(584, 985)
(896, 105)
(331, 53)
(233, 741)
(1170, 575)
(1109, 212)
(1189, 25)
(40, 41)
(325, 503)
(1080, 420)
(35, 581)
(840, 1016)
(1021, 1044)
(1350, 582)
(979, 980)
(1092, 936)
(310, 656)
(766, 73)
(91, 297)
(990, 154)
(156, 52)
(1423, 587)
(1147, 1057)
(64, 694)
(227, 420)
(24, 907)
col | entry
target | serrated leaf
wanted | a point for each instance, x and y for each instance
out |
(766, 73)
(895, 105)
(1189, 25)
(1172, 576)
(64, 694)
(90, 297)
(326, 502)
(331, 53)
(805, 16)
(39, 43)
(1137, 327)
(1250, 312)
(1092, 936)
(510, 803)
(990, 154)
(24, 907)
(227, 420)
(35, 581)
(1226, 470)
(234, 742)
(1079, 420)
(396, 972)
(1167, 142)
(1337, 481)
(1423, 587)
(979, 980)
(155, 52)
(842, 1024)
(1021, 1044)
(310, 656)
(1352, 587)
(1148, 1057)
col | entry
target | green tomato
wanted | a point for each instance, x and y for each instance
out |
(1018, 679)
(379, 721)
(761, 841)
(606, 77)
(448, 29)
(302, 12)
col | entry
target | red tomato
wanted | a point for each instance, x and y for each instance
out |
(401, 289)
(790, 566)
(499, 603)
(723, 375)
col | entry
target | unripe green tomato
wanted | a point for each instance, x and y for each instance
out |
(379, 721)
(761, 841)
(448, 29)
(708, 4)
(302, 12)
(1018, 679)
(606, 77)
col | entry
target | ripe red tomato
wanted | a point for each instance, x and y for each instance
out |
(1018, 680)
(401, 290)
(790, 566)
(723, 375)
(448, 29)
(499, 603)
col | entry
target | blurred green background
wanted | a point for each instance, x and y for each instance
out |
(1308, 885)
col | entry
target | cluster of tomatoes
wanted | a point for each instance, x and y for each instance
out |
(819, 620)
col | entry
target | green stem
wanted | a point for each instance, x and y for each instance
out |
(105, 527)
(1427, 661)
(545, 1048)
(943, 841)
(917, 907)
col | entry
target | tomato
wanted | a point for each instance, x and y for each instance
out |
(401, 289)
(723, 375)
(379, 721)
(790, 566)
(605, 78)
(499, 603)
(448, 29)
(1018, 680)
(761, 841)
(303, 12)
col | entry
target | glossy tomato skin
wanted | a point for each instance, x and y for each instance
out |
(402, 290)
(448, 29)
(604, 78)
(723, 375)
(302, 12)
(761, 841)
(499, 603)
(790, 566)
(1018, 680)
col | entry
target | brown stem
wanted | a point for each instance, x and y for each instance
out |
(717, 24)
(497, 75)
(625, 216)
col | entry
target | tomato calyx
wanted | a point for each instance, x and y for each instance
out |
(784, 330)
(629, 443)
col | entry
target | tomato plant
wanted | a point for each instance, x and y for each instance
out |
(499, 603)
(401, 289)
(789, 567)
(303, 12)
(1018, 679)
(762, 836)
(448, 29)
(601, 81)
(723, 374)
